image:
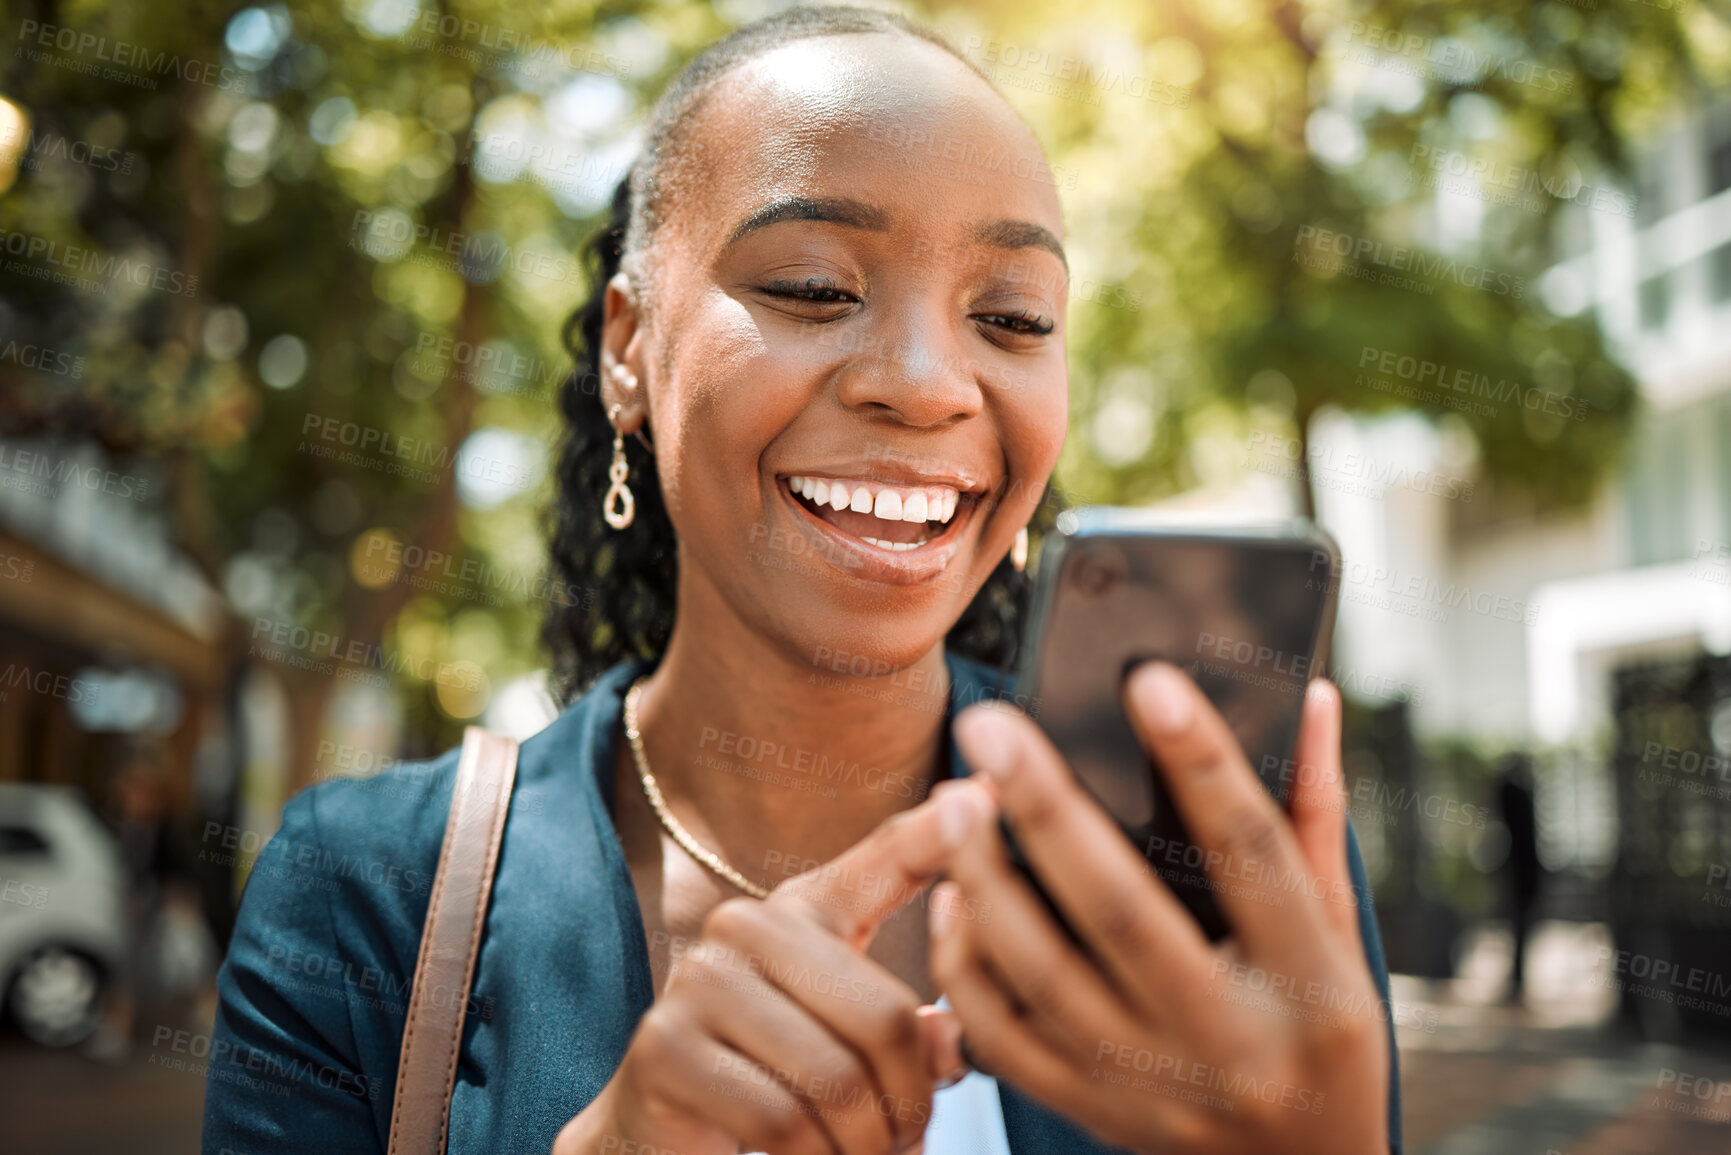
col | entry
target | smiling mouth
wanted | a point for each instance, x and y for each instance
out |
(896, 518)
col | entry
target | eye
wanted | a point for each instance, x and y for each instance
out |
(816, 290)
(1021, 323)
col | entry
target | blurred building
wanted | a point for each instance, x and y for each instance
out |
(110, 638)
(1595, 637)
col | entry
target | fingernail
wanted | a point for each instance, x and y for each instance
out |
(956, 815)
(944, 1040)
(1167, 705)
(985, 745)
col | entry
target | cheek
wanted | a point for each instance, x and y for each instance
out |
(1034, 427)
(726, 399)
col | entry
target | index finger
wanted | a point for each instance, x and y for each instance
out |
(1249, 848)
(852, 894)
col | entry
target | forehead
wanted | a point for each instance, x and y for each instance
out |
(888, 119)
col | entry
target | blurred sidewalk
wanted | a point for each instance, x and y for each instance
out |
(63, 1103)
(1553, 1075)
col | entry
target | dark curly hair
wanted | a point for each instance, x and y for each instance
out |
(623, 583)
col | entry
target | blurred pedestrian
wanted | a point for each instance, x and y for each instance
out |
(1521, 872)
(138, 808)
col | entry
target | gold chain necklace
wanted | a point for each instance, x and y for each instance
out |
(703, 855)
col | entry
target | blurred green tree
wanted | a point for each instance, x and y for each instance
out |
(357, 221)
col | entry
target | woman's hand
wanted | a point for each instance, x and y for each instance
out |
(1273, 1041)
(776, 1033)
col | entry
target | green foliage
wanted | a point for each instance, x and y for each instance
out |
(1178, 132)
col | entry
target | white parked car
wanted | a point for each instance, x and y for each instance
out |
(62, 928)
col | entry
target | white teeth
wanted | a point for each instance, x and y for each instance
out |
(897, 546)
(886, 505)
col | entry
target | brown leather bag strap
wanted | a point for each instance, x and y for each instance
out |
(450, 939)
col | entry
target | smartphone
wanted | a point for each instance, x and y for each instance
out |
(1246, 610)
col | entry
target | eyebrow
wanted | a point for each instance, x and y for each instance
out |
(1007, 234)
(850, 213)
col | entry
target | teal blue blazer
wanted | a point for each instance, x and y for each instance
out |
(315, 986)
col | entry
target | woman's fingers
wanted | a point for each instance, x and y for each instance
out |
(943, 1044)
(837, 990)
(851, 895)
(997, 1037)
(1318, 804)
(693, 1082)
(1262, 881)
(1098, 879)
(1063, 996)
(764, 1023)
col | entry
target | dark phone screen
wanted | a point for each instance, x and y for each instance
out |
(1242, 617)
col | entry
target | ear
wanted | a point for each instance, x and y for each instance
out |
(622, 356)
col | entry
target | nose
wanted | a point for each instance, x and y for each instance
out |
(913, 372)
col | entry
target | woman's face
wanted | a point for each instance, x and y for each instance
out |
(852, 359)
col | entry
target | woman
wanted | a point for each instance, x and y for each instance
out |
(834, 307)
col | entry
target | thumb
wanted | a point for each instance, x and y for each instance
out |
(852, 894)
